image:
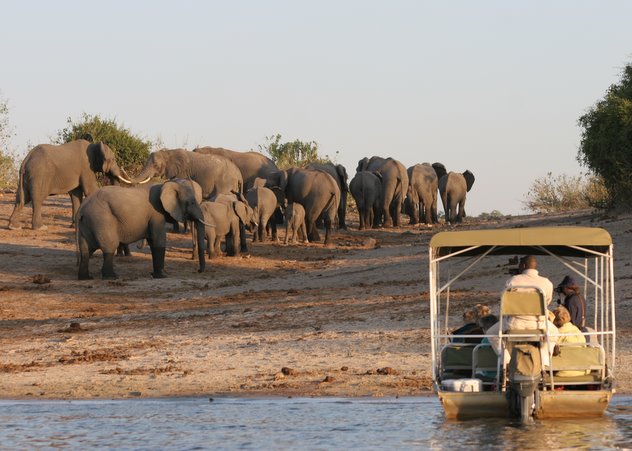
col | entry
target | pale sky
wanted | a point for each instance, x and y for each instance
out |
(495, 87)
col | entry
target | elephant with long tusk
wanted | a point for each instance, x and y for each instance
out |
(216, 174)
(68, 168)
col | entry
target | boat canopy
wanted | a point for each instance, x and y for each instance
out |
(562, 241)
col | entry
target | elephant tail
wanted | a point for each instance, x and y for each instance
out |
(331, 203)
(399, 192)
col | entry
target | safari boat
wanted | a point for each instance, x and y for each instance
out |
(468, 376)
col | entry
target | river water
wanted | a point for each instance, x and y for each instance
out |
(293, 423)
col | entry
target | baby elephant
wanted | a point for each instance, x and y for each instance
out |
(221, 222)
(295, 217)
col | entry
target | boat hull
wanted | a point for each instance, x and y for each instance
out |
(553, 404)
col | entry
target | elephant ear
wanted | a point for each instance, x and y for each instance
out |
(378, 174)
(284, 179)
(469, 179)
(197, 190)
(342, 176)
(362, 164)
(101, 157)
(280, 196)
(439, 169)
(241, 210)
(170, 200)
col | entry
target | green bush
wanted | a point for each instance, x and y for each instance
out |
(291, 154)
(491, 216)
(606, 144)
(562, 192)
(131, 150)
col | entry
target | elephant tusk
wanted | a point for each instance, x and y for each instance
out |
(144, 181)
(124, 180)
(207, 224)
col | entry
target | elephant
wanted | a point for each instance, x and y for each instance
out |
(316, 191)
(265, 204)
(115, 214)
(394, 186)
(223, 220)
(421, 197)
(123, 249)
(453, 188)
(366, 189)
(295, 218)
(215, 174)
(251, 164)
(56, 169)
(339, 173)
(244, 213)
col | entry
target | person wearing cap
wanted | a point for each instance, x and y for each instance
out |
(573, 301)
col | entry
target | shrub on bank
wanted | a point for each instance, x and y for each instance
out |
(560, 193)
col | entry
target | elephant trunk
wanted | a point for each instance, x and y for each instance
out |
(199, 226)
(196, 215)
(145, 175)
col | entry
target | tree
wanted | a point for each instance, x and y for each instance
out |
(291, 154)
(606, 143)
(131, 150)
(8, 162)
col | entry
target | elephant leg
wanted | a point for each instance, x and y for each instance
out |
(342, 212)
(312, 231)
(158, 262)
(328, 223)
(107, 270)
(303, 231)
(242, 238)
(273, 226)
(14, 223)
(123, 250)
(84, 260)
(461, 213)
(210, 245)
(258, 232)
(36, 221)
(75, 198)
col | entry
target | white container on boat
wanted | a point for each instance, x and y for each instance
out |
(462, 385)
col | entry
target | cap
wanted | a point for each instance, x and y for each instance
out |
(568, 281)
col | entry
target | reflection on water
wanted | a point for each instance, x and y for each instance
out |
(321, 423)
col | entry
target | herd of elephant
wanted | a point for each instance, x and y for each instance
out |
(221, 193)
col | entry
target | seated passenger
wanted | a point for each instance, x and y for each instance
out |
(565, 326)
(486, 322)
(471, 327)
(573, 301)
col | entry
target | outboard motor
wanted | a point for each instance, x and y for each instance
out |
(525, 373)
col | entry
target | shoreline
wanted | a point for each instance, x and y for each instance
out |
(347, 321)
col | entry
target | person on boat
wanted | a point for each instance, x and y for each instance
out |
(530, 277)
(573, 301)
(471, 326)
(570, 334)
(486, 322)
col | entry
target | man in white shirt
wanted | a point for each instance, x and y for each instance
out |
(530, 277)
